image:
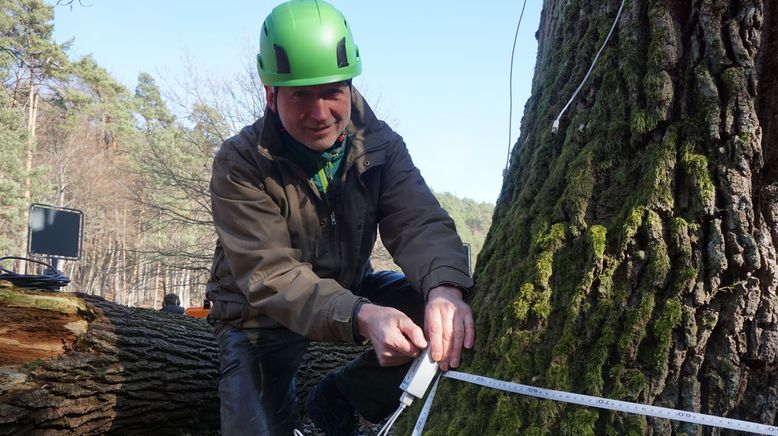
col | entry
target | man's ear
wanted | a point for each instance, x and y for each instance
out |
(270, 98)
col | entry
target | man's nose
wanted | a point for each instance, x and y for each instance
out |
(319, 110)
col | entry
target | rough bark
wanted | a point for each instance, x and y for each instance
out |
(76, 364)
(632, 254)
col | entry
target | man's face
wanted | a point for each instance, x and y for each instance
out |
(313, 115)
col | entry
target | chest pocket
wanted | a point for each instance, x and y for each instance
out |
(370, 170)
(299, 212)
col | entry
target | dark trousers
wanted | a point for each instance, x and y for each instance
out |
(258, 367)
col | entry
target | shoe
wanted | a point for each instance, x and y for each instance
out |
(329, 410)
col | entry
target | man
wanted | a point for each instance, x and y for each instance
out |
(172, 304)
(297, 198)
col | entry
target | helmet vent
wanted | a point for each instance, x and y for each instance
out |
(264, 28)
(282, 60)
(342, 55)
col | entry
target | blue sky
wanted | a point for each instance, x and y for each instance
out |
(437, 71)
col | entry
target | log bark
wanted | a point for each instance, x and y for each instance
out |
(76, 364)
(632, 255)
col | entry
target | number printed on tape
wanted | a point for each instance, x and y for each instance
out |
(617, 405)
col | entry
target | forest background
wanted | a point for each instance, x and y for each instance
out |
(136, 161)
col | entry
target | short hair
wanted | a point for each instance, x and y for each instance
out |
(171, 300)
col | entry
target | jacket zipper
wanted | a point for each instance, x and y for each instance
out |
(333, 221)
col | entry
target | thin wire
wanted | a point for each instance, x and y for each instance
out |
(555, 125)
(51, 279)
(510, 90)
(385, 431)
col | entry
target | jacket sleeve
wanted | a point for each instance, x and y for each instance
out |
(267, 269)
(419, 234)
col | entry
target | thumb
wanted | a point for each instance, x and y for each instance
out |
(414, 334)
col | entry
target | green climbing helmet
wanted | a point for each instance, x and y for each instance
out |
(306, 42)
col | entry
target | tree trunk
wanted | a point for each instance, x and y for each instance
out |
(157, 277)
(632, 254)
(77, 364)
(125, 287)
(116, 267)
(105, 273)
(32, 115)
(90, 267)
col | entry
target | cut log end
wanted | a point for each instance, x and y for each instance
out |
(37, 325)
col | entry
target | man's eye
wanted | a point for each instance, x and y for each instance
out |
(335, 92)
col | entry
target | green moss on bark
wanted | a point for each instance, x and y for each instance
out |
(577, 195)
(595, 262)
(658, 184)
(634, 329)
(669, 318)
(702, 188)
(62, 303)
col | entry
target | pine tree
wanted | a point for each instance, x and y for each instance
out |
(13, 141)
(30, 59)
(151, 106)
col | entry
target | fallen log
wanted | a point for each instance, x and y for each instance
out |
(73, 363)
(77, 364)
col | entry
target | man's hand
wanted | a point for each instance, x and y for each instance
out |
(449, 324)
(395, 337)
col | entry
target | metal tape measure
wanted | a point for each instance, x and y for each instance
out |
(599, 402)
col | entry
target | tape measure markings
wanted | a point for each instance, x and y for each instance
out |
(599, 402)
(425, 410)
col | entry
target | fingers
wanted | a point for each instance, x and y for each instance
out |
(389, 358)
(395, 337)
(458, 340)
(434, 325)
(415, 337)
(439, 322)
(450, 326)
(469, 329)
(464, 334)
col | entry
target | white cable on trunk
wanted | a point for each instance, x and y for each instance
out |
(555, 125)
